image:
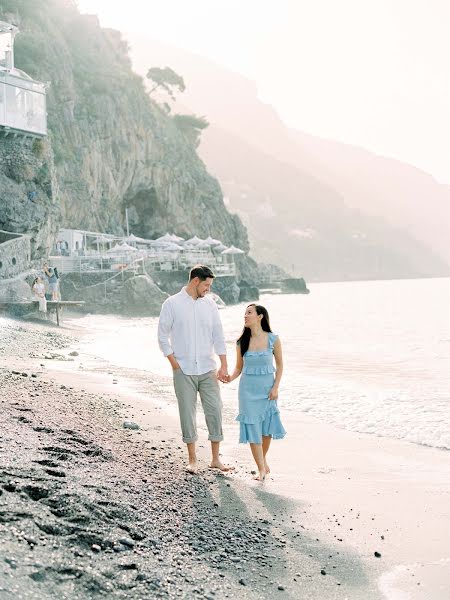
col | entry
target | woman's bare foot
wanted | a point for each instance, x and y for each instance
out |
(192, 467)
(267, 468)
(260, 477)
(219, 465)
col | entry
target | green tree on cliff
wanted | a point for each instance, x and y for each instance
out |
(167, 79)
(191, 126)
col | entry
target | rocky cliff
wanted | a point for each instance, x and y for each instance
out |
(109, 145)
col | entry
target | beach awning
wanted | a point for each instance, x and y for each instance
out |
(219, 248)
(102, 240)
(121, 248)
(194, 241)
(167, 237)
(204, 245)
(171, 247)
(232, 250)
(212, 242)
(133, 239)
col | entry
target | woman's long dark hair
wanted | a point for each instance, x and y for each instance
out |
(244, 340)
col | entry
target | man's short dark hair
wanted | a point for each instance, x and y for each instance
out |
(202, 272)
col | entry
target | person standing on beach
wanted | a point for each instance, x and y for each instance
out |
(189, 333)
(53, 283)
(38, 289)
(259, 416)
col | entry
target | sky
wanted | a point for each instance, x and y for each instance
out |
(374, 73)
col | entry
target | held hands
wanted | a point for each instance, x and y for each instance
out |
(222, 375)
(273, 394)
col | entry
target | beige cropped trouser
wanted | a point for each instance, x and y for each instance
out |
(186, 389)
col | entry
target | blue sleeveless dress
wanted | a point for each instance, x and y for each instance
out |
(258, 415)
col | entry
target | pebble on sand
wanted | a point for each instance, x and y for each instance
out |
(130, 425)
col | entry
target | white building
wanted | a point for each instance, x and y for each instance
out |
(22, 99)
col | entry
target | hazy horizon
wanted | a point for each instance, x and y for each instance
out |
(375, 77)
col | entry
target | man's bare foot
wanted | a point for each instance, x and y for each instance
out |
(261, 476)
(218, 465)
(192, 468)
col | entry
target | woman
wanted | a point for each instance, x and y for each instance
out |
(38, 289)
(259, 416)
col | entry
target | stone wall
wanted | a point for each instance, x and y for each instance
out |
(14, 254)
(126, 294)
(27, 183)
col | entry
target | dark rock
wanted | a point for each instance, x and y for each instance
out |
(242, 582)
(141, 296)
(130, 425)
(38, 576)
(294, 286)
(323, 572)
(127, 542)
(248, 293)
(377, 554)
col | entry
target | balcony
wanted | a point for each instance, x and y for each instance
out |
(22, 100)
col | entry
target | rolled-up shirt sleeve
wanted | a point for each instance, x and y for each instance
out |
(217, 333)
(164, 328)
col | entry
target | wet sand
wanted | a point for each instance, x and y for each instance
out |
(91, 509)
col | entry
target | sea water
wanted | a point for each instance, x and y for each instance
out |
(371, 357)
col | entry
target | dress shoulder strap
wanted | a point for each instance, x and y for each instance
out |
(272, 339)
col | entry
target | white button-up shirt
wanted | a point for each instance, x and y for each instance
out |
(191, 330)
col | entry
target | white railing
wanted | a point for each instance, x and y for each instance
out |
(133, 260)
(95, 264)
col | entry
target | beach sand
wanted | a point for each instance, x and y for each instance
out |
(91, 509)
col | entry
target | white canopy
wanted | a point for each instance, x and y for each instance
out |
(102, 239)
(204, 245)
(212, 242)
(194, 241)
(165, 238)
(233, 250)
(133, 239)
(121, 248)
(171, 246)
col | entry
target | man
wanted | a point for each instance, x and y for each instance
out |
(189, 332)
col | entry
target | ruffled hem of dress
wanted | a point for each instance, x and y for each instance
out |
(253, 428)
(263, 370)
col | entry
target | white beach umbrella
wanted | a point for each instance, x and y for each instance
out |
(121, 248)
(114, 250)
(165, 238)
(232, 250)
(102, 239)
(194, 241)
(127, 248)
(204, 245)
(212, 242)
(219, 248)
(171, 247)
(133, 239)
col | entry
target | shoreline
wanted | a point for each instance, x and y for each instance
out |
(391, 488)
